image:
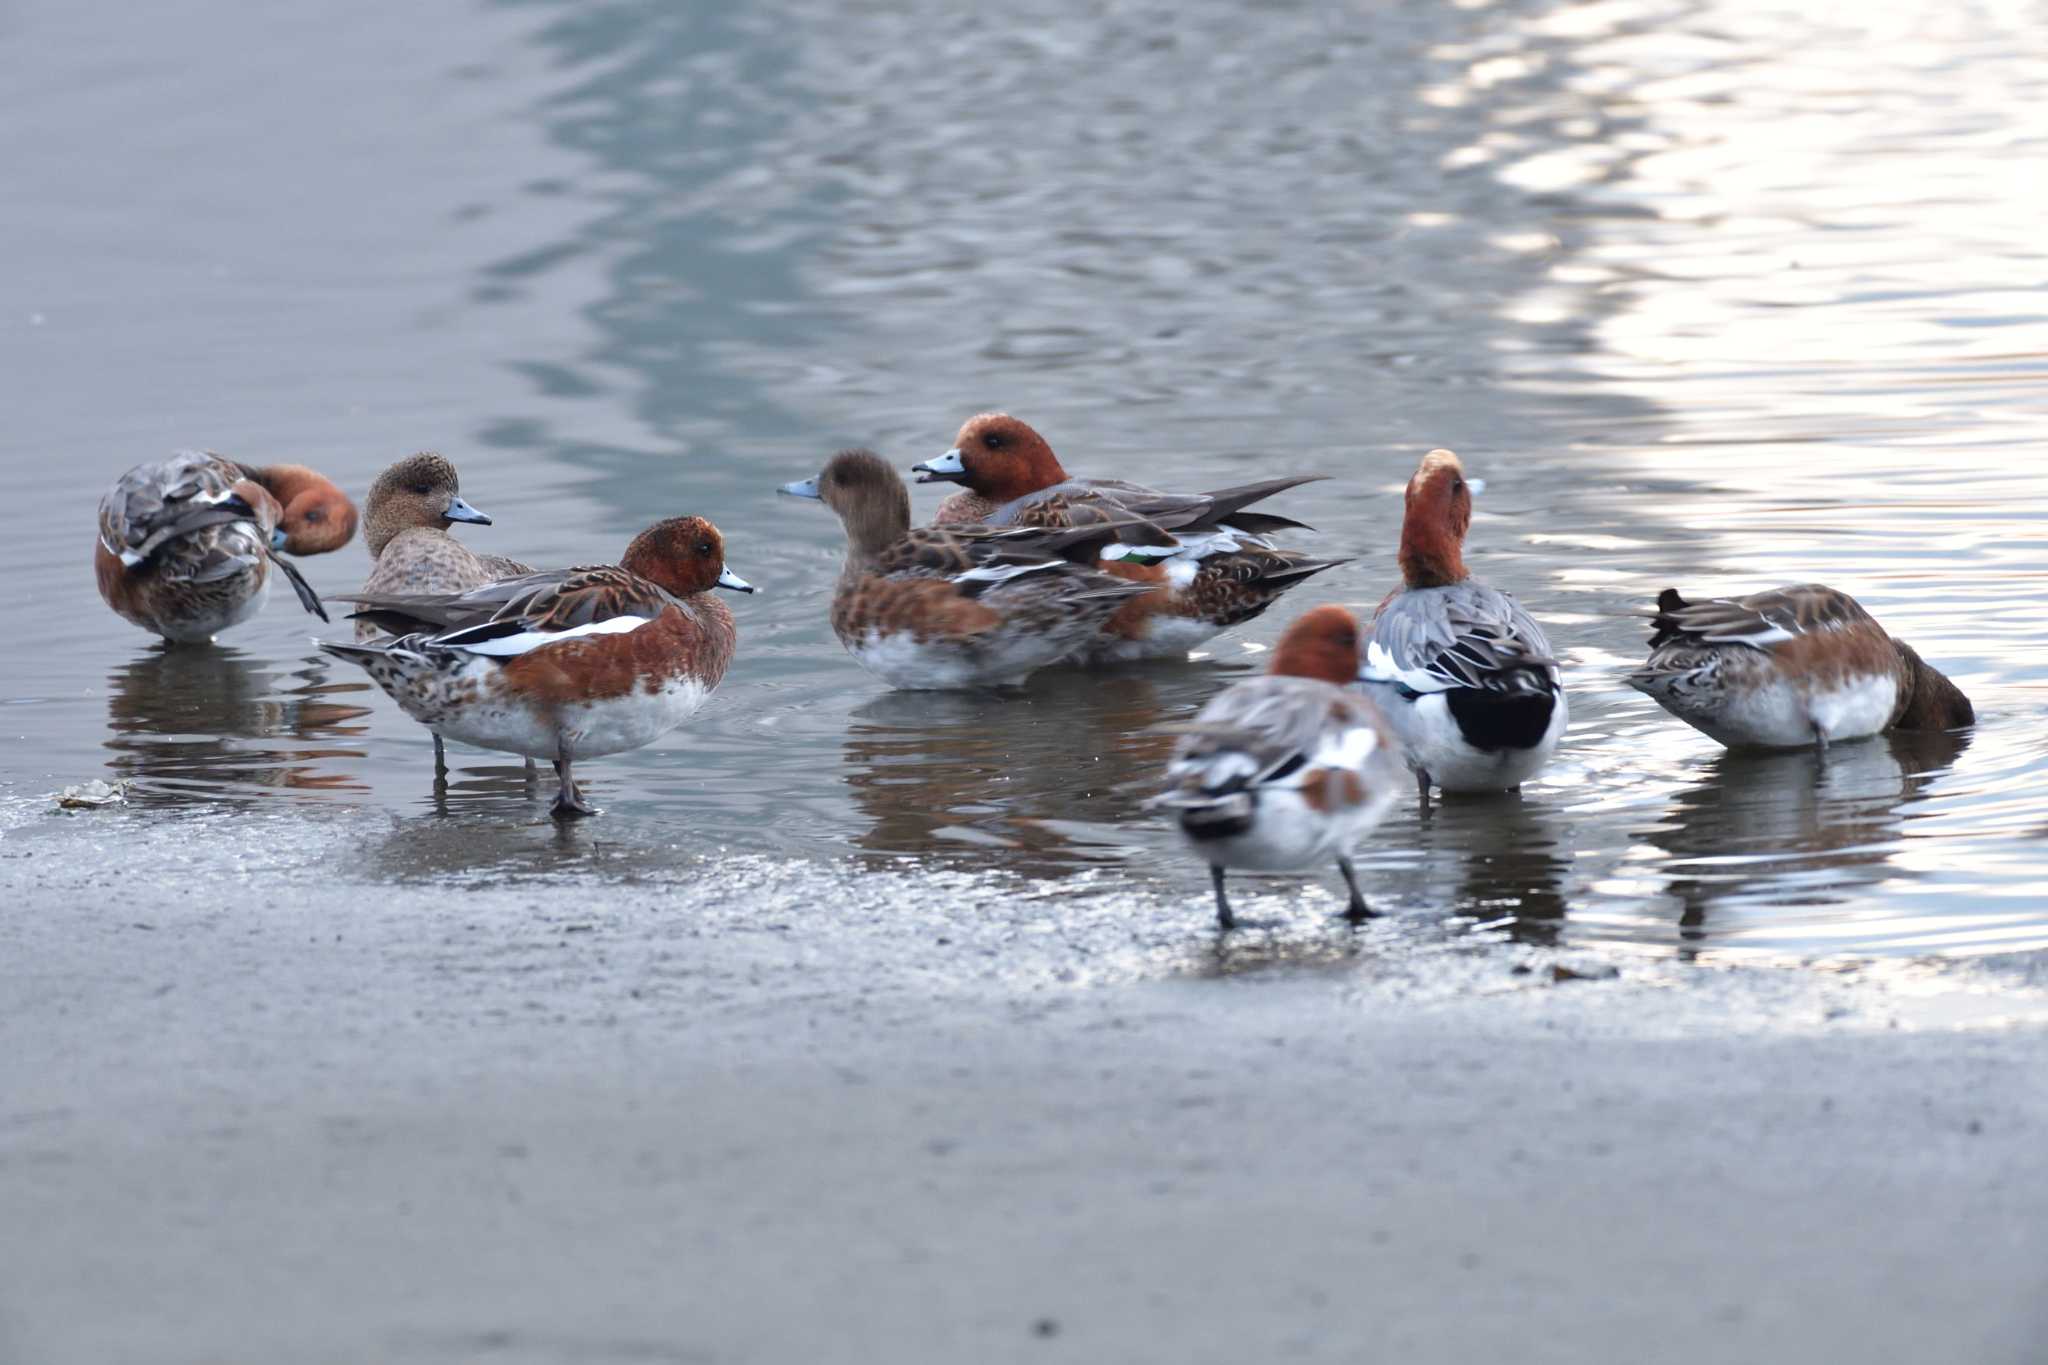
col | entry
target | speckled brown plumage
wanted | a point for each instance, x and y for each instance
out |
(184, 547)
(407, 534)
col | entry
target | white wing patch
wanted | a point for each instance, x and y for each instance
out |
(505, 646)
(1003, 573)
(1380, 668)
(1347, 748)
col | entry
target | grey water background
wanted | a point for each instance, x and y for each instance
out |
(1718, 295)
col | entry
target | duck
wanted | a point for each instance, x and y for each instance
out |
(958, 606)
(405, 528)
(1463, 674)
(186, 544)
(1791, 668)
(1286, 771)
(1213, 568)
(562, 664)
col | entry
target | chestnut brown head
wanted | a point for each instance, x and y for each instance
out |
(317, 517)
(998, 456)
(684, 555)
(1439, 512)
(1322, 643)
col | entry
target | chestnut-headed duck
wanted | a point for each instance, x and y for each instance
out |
(1790, 668)
(1213, 569)
(186, 544)
(405, 526)
(1463, 674)
(957, 606)
(1282, 772)
(567, 663)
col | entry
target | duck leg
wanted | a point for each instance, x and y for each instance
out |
(569, 803)
(1358, 909)
(440, 760)
(1224, 919)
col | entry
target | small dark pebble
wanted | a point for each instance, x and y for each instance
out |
(1974, 1127)
(1520, 969)
(1045, 1327)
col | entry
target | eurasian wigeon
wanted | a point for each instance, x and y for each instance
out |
(1279, 773)
(957, 606)
(1790, 668)
(405, 527)
(1213, 569)
(186, 545)
(567, 663)
(1462, 673)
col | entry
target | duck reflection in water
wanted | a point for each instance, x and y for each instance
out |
(1803, 827)
(1507, 858)
(1013, 781)
(212, 724)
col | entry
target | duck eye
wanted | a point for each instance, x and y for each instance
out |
(316, 514)
(422, 489)
(1457, 485)
(704, 548)
(993, 440)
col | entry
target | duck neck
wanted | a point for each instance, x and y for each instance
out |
(1431, 556)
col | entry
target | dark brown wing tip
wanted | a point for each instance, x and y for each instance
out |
(308, 599)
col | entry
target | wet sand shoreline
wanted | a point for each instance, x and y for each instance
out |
(762, 1111)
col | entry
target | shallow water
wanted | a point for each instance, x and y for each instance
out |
(1713, 294)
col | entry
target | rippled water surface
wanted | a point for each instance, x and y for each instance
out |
(1717, 294)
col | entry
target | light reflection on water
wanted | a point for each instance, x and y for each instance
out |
(1714, 295)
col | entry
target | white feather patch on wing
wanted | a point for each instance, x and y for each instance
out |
(1380, 668)
(1347, 748)
(505, 646)
(1003, 573)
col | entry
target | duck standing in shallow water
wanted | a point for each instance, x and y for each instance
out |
(566, 664)
(1460, 671)
(1790, 668)
(186, 544)
(1284, 772)
(1213, 569)
(405, 526)
(957, 606)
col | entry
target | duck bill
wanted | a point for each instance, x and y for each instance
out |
(278, 539)
(732, 582)
(950, 467)
(458, 510)
(803, 488)
(1475, 486)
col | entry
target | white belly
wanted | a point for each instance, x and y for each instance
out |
(586, 729)
(1287, 835)
(1429, 733)
(1780, 714)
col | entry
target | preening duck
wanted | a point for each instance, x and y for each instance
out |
(186, 545)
